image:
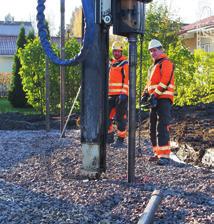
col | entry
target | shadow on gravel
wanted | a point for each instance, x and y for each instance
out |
(170, 216)
(10, 155)
(18, 121)
(191, 200)
(199, 198)
(20, 205)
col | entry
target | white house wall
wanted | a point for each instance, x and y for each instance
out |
(6, 64)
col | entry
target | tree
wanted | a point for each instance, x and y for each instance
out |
(31, 35)
(9, 18)
(204, 77)
(159, 25)
(33, 74)
(73, 77)
(184, 70)
(198, 86)
(16, 94)
(75, 27)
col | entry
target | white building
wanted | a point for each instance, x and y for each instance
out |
(199, 35)
(9, 31)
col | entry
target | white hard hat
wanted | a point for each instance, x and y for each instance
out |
(154, 44)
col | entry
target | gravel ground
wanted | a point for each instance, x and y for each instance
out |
(40, 182)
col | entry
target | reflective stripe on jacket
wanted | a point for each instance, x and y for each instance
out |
(119, 77)
(162, 151)
(161, 79)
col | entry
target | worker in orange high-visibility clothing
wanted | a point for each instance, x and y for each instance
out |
(159, 93)
(118, 95)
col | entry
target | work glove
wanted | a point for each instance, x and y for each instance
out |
(144, 99)
(122, 98)
(153, 101)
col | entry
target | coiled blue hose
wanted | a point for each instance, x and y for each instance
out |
(88, 11)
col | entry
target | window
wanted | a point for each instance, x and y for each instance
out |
(206, 47)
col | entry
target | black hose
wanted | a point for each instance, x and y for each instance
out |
(89, 15)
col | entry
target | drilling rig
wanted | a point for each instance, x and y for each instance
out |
(127, 17)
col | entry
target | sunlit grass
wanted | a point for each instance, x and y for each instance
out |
(5, 107)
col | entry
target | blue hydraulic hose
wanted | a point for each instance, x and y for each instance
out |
(88, 11)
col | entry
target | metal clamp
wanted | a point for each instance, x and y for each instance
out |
(103, 12)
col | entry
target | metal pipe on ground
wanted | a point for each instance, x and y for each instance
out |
(149, 212)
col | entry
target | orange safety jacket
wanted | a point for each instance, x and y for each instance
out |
(119, 77)
(161, 79)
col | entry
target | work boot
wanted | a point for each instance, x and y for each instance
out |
(119, 143)
(168, 161)
(153, 158)
(163, 161)
(110, 138)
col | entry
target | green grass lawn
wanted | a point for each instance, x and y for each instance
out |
(5, 107)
